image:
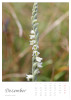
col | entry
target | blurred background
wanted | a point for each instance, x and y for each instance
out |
(53, 27)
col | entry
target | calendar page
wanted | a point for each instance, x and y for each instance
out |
(35, 49)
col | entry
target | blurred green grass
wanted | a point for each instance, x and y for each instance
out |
(53, 48)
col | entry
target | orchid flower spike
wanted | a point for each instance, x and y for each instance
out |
(34, 36)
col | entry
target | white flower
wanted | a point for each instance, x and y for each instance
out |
(36, 53)
(34, 65)
(32, 36)
(35, 47)
(29, 77)
(32, 42)
(38, 59)
(36, 71)
(32, 32)
(39, 64)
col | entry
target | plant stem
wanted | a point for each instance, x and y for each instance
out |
(34, 17)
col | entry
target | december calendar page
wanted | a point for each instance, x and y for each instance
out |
(35, 41)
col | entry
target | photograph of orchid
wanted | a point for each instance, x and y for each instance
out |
(35, 42)
(36, 60)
